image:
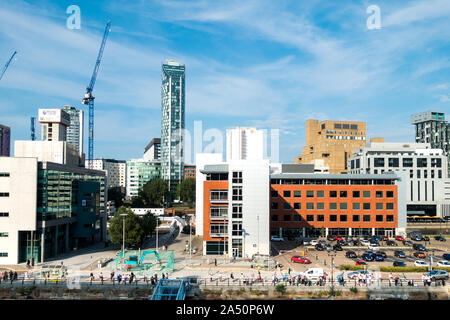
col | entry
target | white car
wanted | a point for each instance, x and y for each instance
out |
(313, 242)
(374, 247)
(353, 274)
(365, 242)
(421, 263)
(443, 263)
(276, 238)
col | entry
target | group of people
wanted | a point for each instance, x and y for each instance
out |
(9, 275)
(129, 279)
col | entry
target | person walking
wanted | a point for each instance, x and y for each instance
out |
(112, 275)
(101, 277)
(215, 262)
(390, 279)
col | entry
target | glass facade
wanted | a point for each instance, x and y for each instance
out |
(139, 173)
(75, 130)
(172, 122)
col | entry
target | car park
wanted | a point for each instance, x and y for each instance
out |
(437, 275)
(421, 263)
(443, 263)
(419, 255)
(276, 238)
(353, 274)
(399, 254)
(399, 264)
(440, 238)
(300, 259)
(350, 254)
(399, 238)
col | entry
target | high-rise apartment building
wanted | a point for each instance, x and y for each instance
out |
(245, 144)
(116, 171)
(172, 122)
(333, 142)
(432, 128)
(75, 131)
(153, 150)
(54, 124)
(5, 141)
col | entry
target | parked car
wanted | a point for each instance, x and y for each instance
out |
(329, 247)
(330, 237)
(399, 264)
(416, 238)
(365, 242)
(314, 242)
(374, 246)
(342, 242)
(379, 257)
(319, 247)
(338, 237)
(276, 238)
(446, 256)
(399, 254)
(385, 238)
(313, 273)
(408, 243)
(376, 238)
(443, 263)
(369, 257)
(392, 243)
(337, 247)
(425, 238)
(360, 263)
(306, 242)
(300, 259)
(421, 263)
(350, 254)
(419, 255)
(353, 274)
(382, 253)
(437, 275)
(419, 247)
(399, 238)
(440, 238)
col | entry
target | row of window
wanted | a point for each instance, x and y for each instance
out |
(407, 162)
(331, 194)
(4, 214)
(333, 206)
(333, 218)
(4, 194)
(4, 174)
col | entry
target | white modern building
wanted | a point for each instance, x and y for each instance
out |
(232, 213)
(245, 143)
(116, 171)
(54, 123)
(139, 172)
(53, 151)
(428, 188)
(153, 150)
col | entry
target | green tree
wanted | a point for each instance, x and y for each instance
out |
(137, 228)
(186, 191)
(153, 194)
(116, 195)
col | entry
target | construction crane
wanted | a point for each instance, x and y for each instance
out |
(7, 65)
(32, 128)
(89, 98)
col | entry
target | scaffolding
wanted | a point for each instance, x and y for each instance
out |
(147, 261)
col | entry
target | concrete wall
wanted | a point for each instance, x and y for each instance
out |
(51, 151)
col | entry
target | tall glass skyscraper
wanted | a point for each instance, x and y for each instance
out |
(172, 123)
(75, 130)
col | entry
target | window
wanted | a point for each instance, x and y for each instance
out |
(356, 206)
(274, 217)
(274, 206)
(435, 163)
(320, 194)
(408, 162)
(286, 194)
(333, 206)
(237, 193)
(379, 206)
(274, 194)
(3, 234)
(389, 194)
(333, 218)
(389, 218)
(418, 174)
(366, 206)
(425, 174)
(320, 218)
(343, 218)
(297, 217)
(309, 206)
(237, 229)
(333, 194)
(342, 194)
(287, 206)
(366, 218)
(4, 194)
(297, 205)
(237, 210)
(219, 195)
(411, 173)
(4, 214)
(356, 194)
(309, 217)
(219, 212)
(393, 162)
(297, 194)
(379, 218)
(3, 254)
(439, 174)
(378, 162)
(366, 194)
(389, 206)
(287, 217)
(310, 194)
(219, 229)
(379, 194)
(421, 162)
(237, 177)
(343, 206)
(6, 174)
(355, 218)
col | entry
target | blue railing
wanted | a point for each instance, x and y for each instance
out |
(171, 289)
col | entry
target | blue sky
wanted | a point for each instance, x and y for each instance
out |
(269, 64)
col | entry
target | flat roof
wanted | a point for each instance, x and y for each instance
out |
(319, 176)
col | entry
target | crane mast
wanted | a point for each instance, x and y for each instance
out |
(89, 98)
(7, 65)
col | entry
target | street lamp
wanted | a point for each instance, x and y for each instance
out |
(332, 254)
(156, 245)
(123, 215)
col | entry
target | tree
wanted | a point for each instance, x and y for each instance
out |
(153, 194)
(137, 228)
(186, 191)
(116, 195)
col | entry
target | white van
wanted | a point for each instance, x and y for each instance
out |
(313, 273)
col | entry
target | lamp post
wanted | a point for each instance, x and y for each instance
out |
(156, 245)
(123, 215)
(190, 242)
(332, 254)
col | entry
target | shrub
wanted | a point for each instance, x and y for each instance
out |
(354, 290)
(280, 288)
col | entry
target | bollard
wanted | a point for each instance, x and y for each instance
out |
(102, 281)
